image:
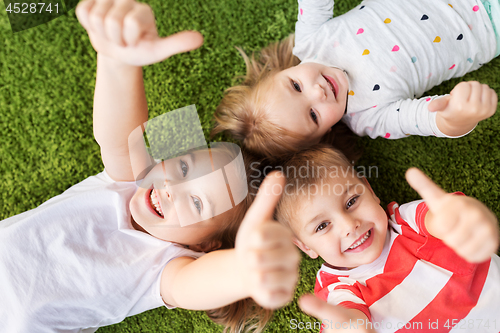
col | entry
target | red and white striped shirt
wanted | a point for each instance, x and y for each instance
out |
(418, 284)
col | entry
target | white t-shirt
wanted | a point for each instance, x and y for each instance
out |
(76, 262)
(394, 51)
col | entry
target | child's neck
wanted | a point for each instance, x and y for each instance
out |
(338, 268)
(137, 226)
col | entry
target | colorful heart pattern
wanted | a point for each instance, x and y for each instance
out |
(396, 48)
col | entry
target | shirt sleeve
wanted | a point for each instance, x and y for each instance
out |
(312, 15)
(341, 291)
(181, 252)
(397, 120)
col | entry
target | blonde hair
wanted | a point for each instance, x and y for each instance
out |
(242, 111)
(315, 163)
(244, 315)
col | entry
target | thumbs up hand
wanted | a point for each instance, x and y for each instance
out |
(466, 105)
(463, 223)
(268, 260)
(125, 30)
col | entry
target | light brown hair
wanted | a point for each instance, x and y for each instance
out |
(242, 111)
(314, 163)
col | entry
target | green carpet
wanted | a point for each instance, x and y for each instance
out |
(47, 80)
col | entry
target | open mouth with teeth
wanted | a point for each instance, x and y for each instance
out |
(331, 84)
(361, 243)
(155, 203)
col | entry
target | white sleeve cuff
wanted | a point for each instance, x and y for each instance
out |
(437, 132)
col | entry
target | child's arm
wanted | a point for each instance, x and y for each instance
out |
(466, 105)
(311, 15)
(335, 318)
(463, 223)
(263, 265)
(124, 35)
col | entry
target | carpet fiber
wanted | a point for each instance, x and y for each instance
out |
(47, 79)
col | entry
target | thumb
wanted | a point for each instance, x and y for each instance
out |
(267, 198)
(424, 186)
(180, 42)
(439, 104)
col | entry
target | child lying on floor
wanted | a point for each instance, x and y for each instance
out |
(426, 262)
(130, 238)
(369, 68)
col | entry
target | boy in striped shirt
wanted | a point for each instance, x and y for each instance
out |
(429, 265)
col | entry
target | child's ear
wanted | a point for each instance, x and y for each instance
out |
(367, 184)
(304, 248)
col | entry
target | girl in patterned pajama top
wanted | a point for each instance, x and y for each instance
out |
(368, 67)
(427, 266)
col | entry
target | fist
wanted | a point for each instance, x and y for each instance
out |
(467, 104)
(125, 30)
(268, 258)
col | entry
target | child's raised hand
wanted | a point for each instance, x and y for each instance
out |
(125, 30)
(463, 223)
(268, 260)
(468, 103)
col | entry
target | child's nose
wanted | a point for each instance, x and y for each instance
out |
(317, 92)
(168, 194)
(349, 225)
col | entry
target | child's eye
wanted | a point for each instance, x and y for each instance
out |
(352, 201)
(314, 117)
(296, 86)
(197, 204)
(322, 226)
(184, 168)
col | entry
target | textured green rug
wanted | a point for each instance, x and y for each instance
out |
(47, 78)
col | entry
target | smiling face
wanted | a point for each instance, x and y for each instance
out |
(345, 225)
(308, 99)
(179, 197)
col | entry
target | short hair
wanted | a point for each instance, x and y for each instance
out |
(315, 163)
